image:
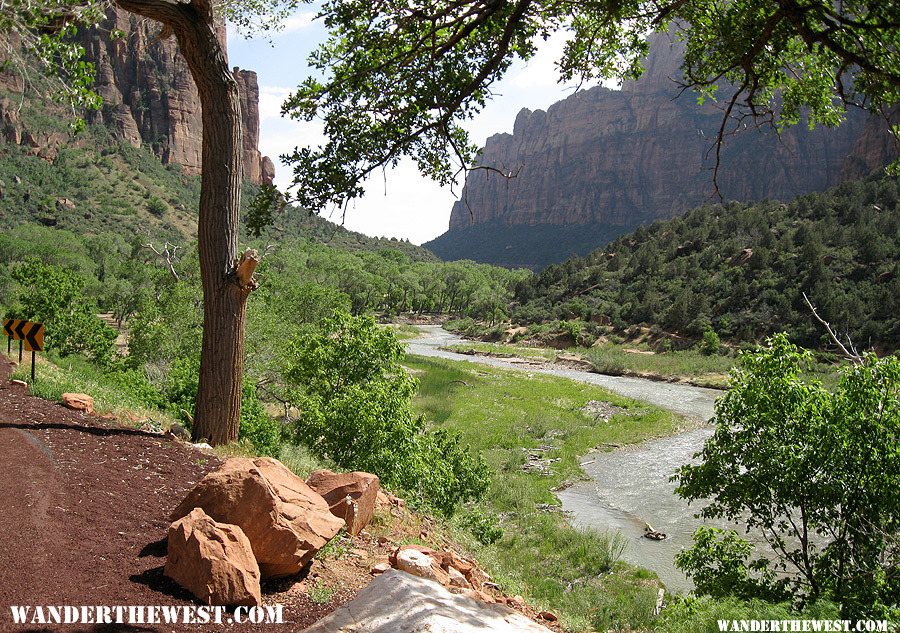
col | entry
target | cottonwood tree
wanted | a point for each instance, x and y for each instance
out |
(398, 77)
(813, 473)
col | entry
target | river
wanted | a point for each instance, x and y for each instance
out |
(628, 487)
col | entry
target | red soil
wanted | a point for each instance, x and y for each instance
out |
(84, 512)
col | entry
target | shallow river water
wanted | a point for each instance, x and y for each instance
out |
(629, 487)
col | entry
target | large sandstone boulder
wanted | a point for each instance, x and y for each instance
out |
(214, 561)
(285, 520)
(396, 601)
(78, 402)
(351, 496)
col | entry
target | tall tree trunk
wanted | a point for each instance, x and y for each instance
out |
(226, 282)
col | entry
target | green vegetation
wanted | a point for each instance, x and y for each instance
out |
(703, 614)
(739, 271)
(118, 394)
(507, 416)
(690, 365)
(534, 246)
(613, 359)
(814, 473)
(499, 349)
(55, 296)
(353, 398)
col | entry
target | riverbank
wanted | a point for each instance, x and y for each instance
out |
(640, 492)
(533, 429)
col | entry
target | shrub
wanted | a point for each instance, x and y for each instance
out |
(792, 458)
(55, 296)
(355, 402)
(483, 526)
(180, 392)
(711, 342)
(156, 207)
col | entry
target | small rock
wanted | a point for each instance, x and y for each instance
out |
(549, 616)
(380, 568)
(413, 560)
(456, 578)
(481, 596)
(78, 402)
(517, 600)
(350, 496)
(214, 561)
(203, 446)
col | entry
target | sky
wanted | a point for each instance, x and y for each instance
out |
(399, 203)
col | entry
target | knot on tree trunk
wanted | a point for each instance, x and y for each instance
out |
(244, 269)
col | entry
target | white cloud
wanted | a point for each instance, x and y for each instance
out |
(297, 22)
(270, 100)
(540, 72)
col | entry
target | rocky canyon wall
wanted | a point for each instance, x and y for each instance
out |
(616, 158)
(150, 98)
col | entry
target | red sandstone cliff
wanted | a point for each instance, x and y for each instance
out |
(150, 98)
(618, 158)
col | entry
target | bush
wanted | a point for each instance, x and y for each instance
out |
(711, 342)
(55, 296)
(180, 393)
(483, 526)
(355, 402)
(156, 207)
(791, 459)
(703, 614)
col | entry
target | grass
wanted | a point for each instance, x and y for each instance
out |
(689, 365)
(502, 414)
(404, 331)
(112, 394)
(609, 358)
(536, 353)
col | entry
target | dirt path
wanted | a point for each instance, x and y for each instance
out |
(85, 514)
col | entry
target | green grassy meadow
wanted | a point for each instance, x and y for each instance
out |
(504, 415)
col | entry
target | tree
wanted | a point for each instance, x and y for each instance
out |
(399, 77)
(227, 280)
(354, 399)
(814, 473)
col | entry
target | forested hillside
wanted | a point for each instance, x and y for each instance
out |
(741, 270)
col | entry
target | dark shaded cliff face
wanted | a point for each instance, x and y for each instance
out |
(150, 98)
(617, 158)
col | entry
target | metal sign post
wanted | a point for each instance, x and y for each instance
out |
(30, 336)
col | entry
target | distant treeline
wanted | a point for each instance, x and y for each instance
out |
(741, 269)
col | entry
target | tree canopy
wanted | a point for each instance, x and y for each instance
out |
(399, 78)
(813, 473)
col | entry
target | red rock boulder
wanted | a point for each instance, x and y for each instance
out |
(350, 496)
(78, 402)
(285, 520)
(214, 561)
